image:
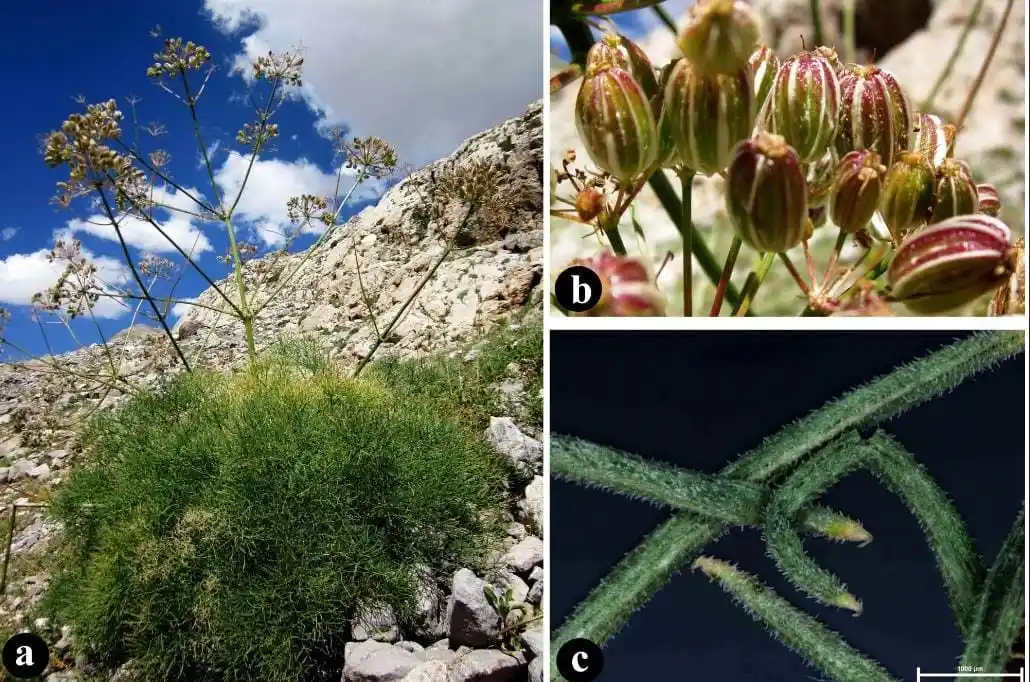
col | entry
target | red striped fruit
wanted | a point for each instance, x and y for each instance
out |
(628, 287)
(708, 115)
(950, 264)
(933, 137)
(874, 114)
(989, 201)
(856, 191)
(766, 197)
(908, 194)
(718, 36)
(956, 191)
(620, 51)
(804, 104)
(615, 122)
(764, 66)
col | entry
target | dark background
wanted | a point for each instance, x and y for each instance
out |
(699, 401)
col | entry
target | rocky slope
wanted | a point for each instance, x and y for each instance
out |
(911, 38)
(374, 261)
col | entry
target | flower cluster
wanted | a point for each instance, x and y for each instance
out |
(802, 143)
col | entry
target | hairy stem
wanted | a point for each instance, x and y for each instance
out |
(809, 638)
(809, 481)
(999, 611)
(942, 525)
(734, 502)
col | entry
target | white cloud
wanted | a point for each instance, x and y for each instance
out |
(24, 274)
(422, 75)
(272, 182)
(142, 235)
(8, 233)
(179, 309)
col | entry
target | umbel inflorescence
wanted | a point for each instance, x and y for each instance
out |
(805, 143)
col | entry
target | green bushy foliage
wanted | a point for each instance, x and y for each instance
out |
(227, 526)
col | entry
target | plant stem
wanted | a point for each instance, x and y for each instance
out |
(795, 274)
(848, 27)
(109, 212)
(967, 106)
(727, 273)
(946, 533)
(808, 481)
(999, 613)
(7, 548)
(614, 238)
(804, 634)
(707, 262)
(414, 294)
(949, 66)
(753, 283)
(842, 237)
(663, 16)
(686, 229)
(734, 502)
(817, 23)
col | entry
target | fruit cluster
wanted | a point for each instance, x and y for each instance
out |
(800, 142)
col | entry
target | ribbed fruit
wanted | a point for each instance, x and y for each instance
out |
(804, 104)
(856, 192)
(956, 191)
(933, 137)
(615, 122)
(874, 114)
(766, 198)
(628, 287)
(989, 201)
(718, 36)
(618, 50)
(819, 177)
(708, 115)
(908, 194)
(950, 264)
(667, 155)
(764, 66)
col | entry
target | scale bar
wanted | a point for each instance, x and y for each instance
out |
(920, 675)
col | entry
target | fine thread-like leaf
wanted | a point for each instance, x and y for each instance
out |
(807, 482)
(958, 561)
(661, 554)
(734, 502)
(882, 399)
(999, 612)
(816, 644)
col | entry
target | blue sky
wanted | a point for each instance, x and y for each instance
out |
(635, 25)
(408, 72)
